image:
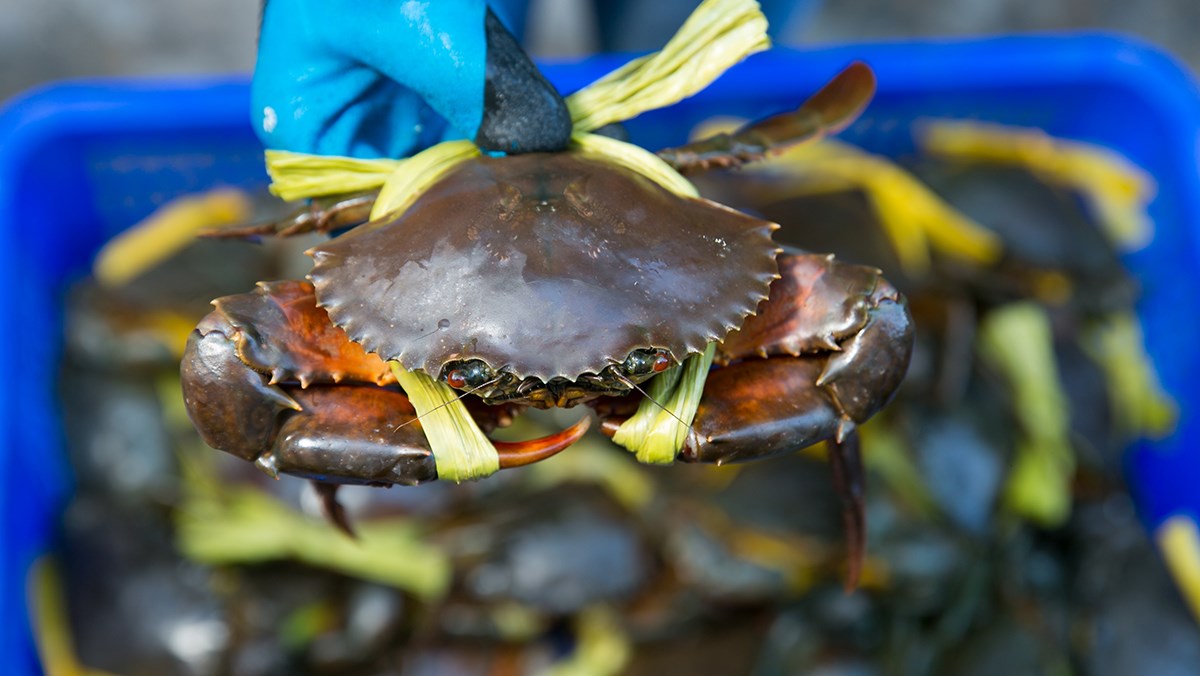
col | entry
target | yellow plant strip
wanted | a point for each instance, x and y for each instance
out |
(1116, 190)
(655, 433)
(516, 622)
(417, 173)
(1179, 541)
(167, 231)
(49, 619)
(244, 525)
(915, 219)
(717, 35)
(1016, 340)
(460, 448)
(636, 159)
(1140, 406)
(634, 434)
(886, 453)
(602, 647)
(219, 523)
(305, 624)
(297, 176)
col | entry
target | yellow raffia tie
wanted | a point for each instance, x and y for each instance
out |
(468, 452)
(244, 525)
(633, 158)
(221, 524)
(297, 176)
(602, 647)
(51, 623)
(422, 170)
(915, 220)
(166, 232)
(1115, 190)
(717, 35)
(1017, 341)
(1178, 539)
(655, 433)
(1141, 408)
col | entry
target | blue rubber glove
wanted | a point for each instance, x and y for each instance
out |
(387, 78)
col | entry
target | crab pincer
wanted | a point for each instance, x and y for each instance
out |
(824, 353)
(267, 377)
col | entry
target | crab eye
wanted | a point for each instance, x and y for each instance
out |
(468, 374)
(645, 362)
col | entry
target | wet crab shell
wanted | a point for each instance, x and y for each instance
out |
(546, 265)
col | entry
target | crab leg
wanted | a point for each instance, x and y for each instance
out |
(827, 112)
(334, 512)
(845, 459)
(321, 214)
(521, 453)
(269, 378)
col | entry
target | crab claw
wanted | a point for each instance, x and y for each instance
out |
(268, 378)
(823, 354)
(512, 454)
(520, 453)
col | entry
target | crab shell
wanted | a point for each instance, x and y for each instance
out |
(546, 266)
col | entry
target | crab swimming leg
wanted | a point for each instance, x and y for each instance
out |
(824, 353)
(267, 377)
(827, 112)
(321, 214)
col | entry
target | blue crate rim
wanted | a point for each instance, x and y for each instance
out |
(62, 110)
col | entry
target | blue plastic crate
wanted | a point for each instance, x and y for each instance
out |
(80, 162)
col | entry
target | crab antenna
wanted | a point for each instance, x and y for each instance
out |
(646, 394)
(443, 405)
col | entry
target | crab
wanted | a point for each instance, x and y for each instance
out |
(553, 280)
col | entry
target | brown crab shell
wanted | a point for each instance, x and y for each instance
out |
(547, 265)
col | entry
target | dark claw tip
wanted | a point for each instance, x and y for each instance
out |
(334, 512)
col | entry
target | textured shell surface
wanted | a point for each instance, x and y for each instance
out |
(547, 265)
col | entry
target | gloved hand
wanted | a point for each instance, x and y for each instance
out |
(387, 78)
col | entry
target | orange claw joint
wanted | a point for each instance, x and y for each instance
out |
(521, 453)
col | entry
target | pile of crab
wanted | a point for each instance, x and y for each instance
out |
(552, 280)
